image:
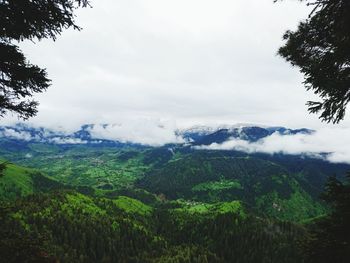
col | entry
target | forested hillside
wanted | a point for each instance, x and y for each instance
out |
(136, 153)
(127, 203)
(73, 227)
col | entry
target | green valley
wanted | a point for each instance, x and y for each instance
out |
(90, 203)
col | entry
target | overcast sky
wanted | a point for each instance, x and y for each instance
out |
(182, 62)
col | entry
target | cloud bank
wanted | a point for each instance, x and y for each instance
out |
(17, 135)
(59, 140)
(40, 135)
(146, 132)
(332, 143)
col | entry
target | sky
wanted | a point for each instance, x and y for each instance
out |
(182, 63)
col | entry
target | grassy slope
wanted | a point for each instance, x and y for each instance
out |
(15, 182)
(18, 181)
(214, 209)
(131, 206)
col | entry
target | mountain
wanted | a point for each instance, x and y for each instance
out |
(278, 185)
(22, 135)
(281, 186)
(18, 181)
(198, 135)
(206, 136)
(263, 185)
(76, 197)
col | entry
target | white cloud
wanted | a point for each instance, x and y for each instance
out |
(333, 141)
(50, 136)
(28, 155)
(146, 131)
(143, 131)
(60, 140)
(13, 134)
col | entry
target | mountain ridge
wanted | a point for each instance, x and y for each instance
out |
(193, 135)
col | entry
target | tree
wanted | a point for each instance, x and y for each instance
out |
(320, 47)
(28, 20)
(2, 168)
(330, 237)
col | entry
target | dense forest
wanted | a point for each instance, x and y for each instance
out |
(187, 206)
(72, 227)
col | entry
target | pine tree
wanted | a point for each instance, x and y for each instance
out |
(330, 239)
(28, 20)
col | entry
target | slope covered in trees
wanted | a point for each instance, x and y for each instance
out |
(286, 187)
(262, 185)
(72, 227)
(164, 204)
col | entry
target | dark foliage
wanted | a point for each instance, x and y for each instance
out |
(18, 81)
(330, 237)
(19, 246)
(69, 227)
(320, 47)
(21, 20)
(2, 168)
(177, 179)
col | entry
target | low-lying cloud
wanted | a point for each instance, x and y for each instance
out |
(329, 143)
(59, 140)
(17, 135)
(146, 132)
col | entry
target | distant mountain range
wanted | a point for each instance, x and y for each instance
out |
(22, 132)
(281, 184)
(207, 136)
(198, 135)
